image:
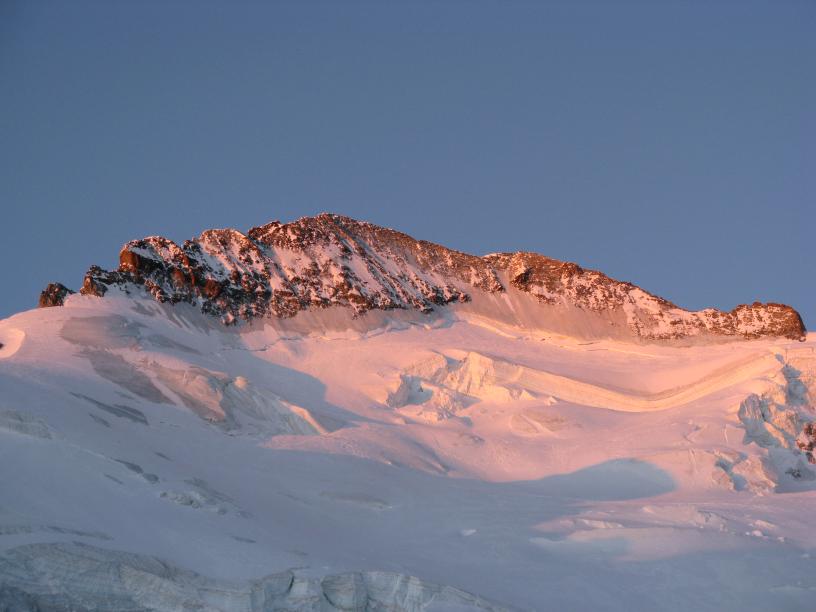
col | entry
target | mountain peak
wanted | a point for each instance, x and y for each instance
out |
(281, 269)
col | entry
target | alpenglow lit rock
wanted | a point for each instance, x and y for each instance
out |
(281, 269)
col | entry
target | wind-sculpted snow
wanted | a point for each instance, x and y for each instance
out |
(451, 384)
(232, 402)
(282, 269)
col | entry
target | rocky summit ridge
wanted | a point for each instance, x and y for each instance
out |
(281, 269)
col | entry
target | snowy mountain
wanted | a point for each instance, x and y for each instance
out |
(330, 260)
(331, 415)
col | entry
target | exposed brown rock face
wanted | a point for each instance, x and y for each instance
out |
(280, 269)
(553, 282)
(54, 295)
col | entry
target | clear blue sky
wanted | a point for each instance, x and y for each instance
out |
(671, 144)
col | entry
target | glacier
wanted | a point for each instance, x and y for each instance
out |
(470, 456)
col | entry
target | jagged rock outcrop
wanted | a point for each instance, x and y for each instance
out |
(280, 269)
(556, 282)
(54, 295)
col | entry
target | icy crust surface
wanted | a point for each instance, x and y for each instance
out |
(41, 577)
(281, 269)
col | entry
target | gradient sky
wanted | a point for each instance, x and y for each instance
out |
(671, 144)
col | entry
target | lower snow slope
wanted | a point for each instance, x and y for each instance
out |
(151, 458)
